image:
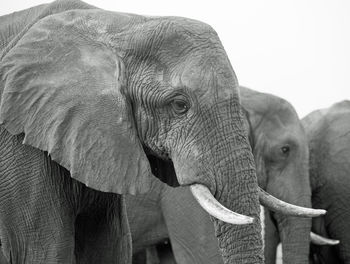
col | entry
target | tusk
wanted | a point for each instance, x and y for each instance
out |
(285, 208)
(204, 197)
(321, 241)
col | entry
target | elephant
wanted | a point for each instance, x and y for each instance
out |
(328, 132)
(93, 104)
(280, 149)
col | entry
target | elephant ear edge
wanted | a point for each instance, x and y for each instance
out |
(66, 93)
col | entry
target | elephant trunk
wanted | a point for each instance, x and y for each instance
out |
(295, 238)
(293, 186)
(237, 189)
(221, 159)
(295, 231)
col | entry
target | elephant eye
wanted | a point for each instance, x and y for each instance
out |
(180, 106)
(285, 149)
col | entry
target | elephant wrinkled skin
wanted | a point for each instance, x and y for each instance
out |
(91, 102)
(280, 150)
(328, 132)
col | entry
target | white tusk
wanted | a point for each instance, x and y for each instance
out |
(285, 208)
(321, 241)
(204, 197)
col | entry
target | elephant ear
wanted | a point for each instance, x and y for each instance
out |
(66, 93)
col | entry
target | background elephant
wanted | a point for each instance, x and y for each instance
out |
(328, 132)
(91, 102)
(280, 150)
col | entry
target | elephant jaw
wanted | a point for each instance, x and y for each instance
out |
(285, 208)
(321, 241)
(205, 198)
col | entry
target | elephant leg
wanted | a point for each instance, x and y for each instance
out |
(36, 220)
(102, 232)
(271, 238)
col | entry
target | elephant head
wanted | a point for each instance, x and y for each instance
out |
(328, 133)
(280, 150)
(103, 92)
(281, 154)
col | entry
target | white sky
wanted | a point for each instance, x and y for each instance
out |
(295, 49)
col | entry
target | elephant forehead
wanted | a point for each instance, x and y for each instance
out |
(189, 49)
(207, 77)
(276, 114)
(277, 127)
(144, 34)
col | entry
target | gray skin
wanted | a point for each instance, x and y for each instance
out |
(280, 150)
(92, 102)
(328, 133)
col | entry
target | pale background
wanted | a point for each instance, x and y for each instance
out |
(295, 49)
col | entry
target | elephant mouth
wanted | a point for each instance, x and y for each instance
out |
(164, 170)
